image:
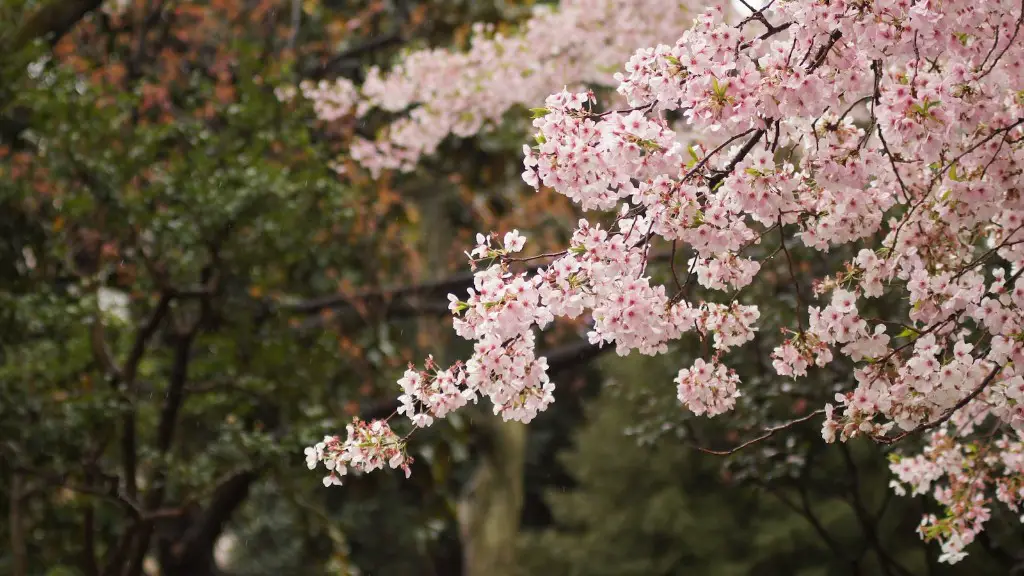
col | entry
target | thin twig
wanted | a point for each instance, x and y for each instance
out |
(888, 440)
(768, 433)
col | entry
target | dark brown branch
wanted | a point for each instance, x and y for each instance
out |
(573, 355)
(164, 438)
(350, 58)
(672, 265)
(146, 332)
(129, 452)
(768, 433)
(771, 32)
(1013, 39)
(101, 352)
(110, 493)
(175, 393)
(19, 554)
(396, 302)
(864, 518)
(196, 546)
(747, 147)
(804, 510)
(808, 513)
(822, 54)
(792, 274)
(945, 415)
(338, 302)
(758, 15)
(51, 21)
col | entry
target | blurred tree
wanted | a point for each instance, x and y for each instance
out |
(652, 503)
(169, 232)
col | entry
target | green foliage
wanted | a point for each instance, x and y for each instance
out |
(230, 212)
(653, 504)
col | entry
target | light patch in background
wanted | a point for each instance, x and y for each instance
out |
(741, 9)
(113, 303)
(224, 550)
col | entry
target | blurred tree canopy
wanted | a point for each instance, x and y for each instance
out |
(647, 502)
(168, 228)
(190, 293)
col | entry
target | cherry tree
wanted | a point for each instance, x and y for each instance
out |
(442, 92)
(888, 128)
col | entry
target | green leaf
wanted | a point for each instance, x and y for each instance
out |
(719, 89)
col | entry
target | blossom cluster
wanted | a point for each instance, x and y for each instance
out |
(441, 92)
(893, 130)
(958, 475)
(368, 447)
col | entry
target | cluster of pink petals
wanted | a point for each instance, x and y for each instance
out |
(707, 388)
(442, 92)
(959, 476)
(891, 129)
(369, 446)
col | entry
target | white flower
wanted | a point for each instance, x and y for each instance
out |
(333, 479)
(514, 242)
(314, 454)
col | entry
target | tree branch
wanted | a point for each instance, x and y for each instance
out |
(945, 415)
(403, 301)
(51, 21)
(19, 552)
(129, 452)
(350, 57)
(572, 355)
(164, 438)
(768, 433)
(89, 563)
(196, 546)
(865, 519)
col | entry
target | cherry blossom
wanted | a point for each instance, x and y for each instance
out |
(442, 92)
(889, 131)
(368, 447)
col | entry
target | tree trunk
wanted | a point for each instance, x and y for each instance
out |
(186, 547)
(491, 504)
(17, 529)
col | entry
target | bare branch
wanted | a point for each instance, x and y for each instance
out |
(867, 522)
(196, 546)
(51, 21)
(768, 433)
(129, 452)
